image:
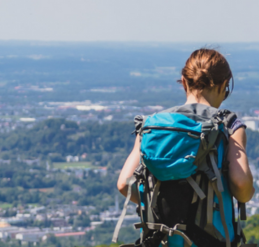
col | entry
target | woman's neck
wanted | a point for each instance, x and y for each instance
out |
(193, 98)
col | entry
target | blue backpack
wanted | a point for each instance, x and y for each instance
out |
(184, 197)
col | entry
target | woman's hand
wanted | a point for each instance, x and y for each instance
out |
(128, 170)
(240, 176)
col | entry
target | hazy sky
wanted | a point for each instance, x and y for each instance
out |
(130, 20)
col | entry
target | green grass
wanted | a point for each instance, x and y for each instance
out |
(77, 135)
(5, 189)
(252, 228)
(34, 204)
(71, 165)
(6, 205)
(20, 188)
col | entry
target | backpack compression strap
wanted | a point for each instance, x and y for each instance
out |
(216, 171)
(197, 190)
(195, 195)
(130, 182)
(155, 194)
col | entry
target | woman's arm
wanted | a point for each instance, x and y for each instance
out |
(127, 171)
(240, 176)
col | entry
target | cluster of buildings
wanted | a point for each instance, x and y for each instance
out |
(35, 235)
(60, 217)
(15, 116)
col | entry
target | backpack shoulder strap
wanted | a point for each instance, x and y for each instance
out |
(138, 122)
(226, 117)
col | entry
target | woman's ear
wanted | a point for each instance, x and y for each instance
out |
(184, 82)
(222, 87)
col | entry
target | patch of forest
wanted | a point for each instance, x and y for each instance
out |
(57, 138)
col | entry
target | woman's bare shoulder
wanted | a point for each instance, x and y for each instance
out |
(240, 176)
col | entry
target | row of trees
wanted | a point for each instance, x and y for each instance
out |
(59, 137)
(63, 137)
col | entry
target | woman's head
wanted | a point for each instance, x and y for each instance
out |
(207, 69)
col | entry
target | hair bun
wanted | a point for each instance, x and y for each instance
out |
(203, 78)
(206, 68)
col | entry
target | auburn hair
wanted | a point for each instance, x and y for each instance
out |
(205, 69)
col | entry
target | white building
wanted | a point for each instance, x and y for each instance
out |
(6, 231)
(127, 221)
(71, 158)
(30, 237)
(102, 171)
(251, 122)
(12, 232)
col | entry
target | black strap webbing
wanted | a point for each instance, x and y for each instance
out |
(242, 207)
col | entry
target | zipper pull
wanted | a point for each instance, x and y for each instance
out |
(193, 136)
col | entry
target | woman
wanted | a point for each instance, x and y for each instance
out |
(206, 81)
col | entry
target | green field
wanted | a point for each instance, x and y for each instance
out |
(6, 205)
(71, 165)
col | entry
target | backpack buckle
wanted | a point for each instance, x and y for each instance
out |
(139, 171)
(161, 228)
(171, 232)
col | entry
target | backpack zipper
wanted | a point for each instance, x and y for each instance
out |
(190, 132)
